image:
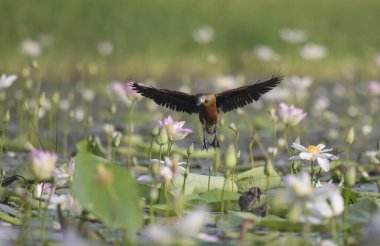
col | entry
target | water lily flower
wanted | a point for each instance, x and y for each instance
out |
(174, 128)
(105, 48)
(64, 174)
(298, 185)
(203, 35)
(43, 190)
(7, 81)
(314, 153)
(266, 53)
(293, 35)
(42, 163)
(374, 87)
(66, 201)
(313, 52)
(309, 204)
(291, 115)
(181, 232)
(31, 48)
(169, 169)
(326, 202)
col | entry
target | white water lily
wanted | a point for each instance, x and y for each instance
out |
(314, 153)
(7, 80)
(313, 52)
(179, 233)
(42, 163)
(293, 35)
(312, 205)
(64, 174)
(174, 128)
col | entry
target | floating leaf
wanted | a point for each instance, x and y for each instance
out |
(115, 201)
(199, 183)
(256, 177)
(212, 199)
(91, 145)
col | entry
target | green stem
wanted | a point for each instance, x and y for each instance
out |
(222, 196)
(130, 122)
(267, 198)
(209, 178)
(274, 140)
(345, 216)
(217, 160)
(160, 155)
(2, 146)
(43, 228)
(286, 139)
(150, 155)
(251, 153)
(187, 169)
(170, 143)
(113, 156)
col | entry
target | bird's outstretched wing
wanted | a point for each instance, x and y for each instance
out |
(240, 97)
(175, 100)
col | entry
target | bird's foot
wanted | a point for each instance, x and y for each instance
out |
(205, 145)
(215, 143)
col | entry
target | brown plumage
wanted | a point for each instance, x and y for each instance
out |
(208, 105)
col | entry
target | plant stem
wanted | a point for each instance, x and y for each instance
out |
(2, 146)
(150, 155)
(185, 175)
(130, 122)
(217, 160)
(286, 139)
(209, 178)
(160, 155)
(222, 196)
(267, 198)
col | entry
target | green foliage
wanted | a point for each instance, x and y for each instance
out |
(256, 177)
(92, 145)
(118, 210)
(199, 183)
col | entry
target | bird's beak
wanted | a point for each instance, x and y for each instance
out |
(199, 103)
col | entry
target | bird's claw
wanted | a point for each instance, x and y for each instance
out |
(205, 145)
(215, 143)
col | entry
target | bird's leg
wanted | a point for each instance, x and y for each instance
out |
(205, 143)
(215, 142)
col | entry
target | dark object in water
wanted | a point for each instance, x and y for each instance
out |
(248, 200)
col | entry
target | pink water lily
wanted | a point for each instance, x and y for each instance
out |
(43, 163)
(174, 128)
(312, 153)
(291, 115)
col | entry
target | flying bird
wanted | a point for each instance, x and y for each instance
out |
(208, 105)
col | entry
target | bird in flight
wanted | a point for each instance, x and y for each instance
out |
(208, 105)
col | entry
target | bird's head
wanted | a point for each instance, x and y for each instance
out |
(204, 99)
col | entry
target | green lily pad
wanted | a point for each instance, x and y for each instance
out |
(115, 203)
(256, 177)
(199, 183)
(91, 145)
(213, 198)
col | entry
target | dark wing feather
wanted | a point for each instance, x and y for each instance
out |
(240, 97)
(175, 100)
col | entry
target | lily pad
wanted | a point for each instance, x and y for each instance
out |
(115, 203)
(199, 183)
(256, 177)
(91, 145)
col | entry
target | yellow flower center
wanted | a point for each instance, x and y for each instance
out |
(313, 149)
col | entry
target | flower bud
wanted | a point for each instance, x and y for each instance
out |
(6, 117)
(153, 195)
(231, 157)
(272, 115)
(55, 98)
(268, 169)
(155, 131)
(162, 137)
(42, 100)
(232, 127)
(190, 150)
(116, 140)
(113, 108)
(350, 176)
(350, 136)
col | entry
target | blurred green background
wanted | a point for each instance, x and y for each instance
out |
(158, 39)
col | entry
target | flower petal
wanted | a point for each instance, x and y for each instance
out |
(321, 146)
(323, 163)
(306, 155)
(299, 147)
